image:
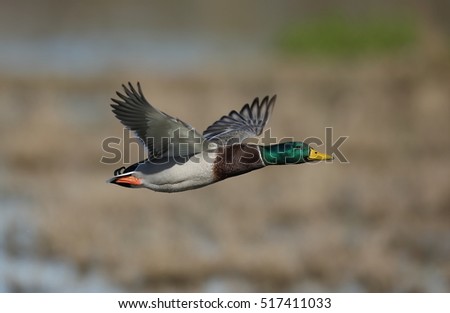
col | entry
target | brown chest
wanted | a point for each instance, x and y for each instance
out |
(236, 160)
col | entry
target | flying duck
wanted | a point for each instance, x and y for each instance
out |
(180, 158)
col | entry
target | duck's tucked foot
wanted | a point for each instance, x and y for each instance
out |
(119, 171)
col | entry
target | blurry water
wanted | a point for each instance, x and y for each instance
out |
(21, 267)
(82, 56)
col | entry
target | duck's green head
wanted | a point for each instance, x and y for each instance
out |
(294, 152)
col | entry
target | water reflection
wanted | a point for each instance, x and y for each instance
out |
(23, 269)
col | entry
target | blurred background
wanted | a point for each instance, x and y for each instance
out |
(376, 71)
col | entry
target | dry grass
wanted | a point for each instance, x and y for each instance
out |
(379, 223)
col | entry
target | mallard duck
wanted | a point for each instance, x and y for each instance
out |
(179, 158)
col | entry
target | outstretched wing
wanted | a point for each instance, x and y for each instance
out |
(163, 134)
(249, 122)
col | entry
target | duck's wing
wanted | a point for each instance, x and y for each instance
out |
(237, 126)
(163, 134)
